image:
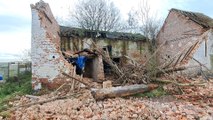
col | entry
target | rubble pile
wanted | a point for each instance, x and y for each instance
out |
(198, 94)
(85, 106)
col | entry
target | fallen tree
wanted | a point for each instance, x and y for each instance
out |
(121, 91)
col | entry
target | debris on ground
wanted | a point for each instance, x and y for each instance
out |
(84, 106)
(190, 98)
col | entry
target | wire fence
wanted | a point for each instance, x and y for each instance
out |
(12, 69)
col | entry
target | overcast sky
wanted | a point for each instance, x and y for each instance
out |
(15, 18)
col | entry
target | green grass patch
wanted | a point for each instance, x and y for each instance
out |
(154, 93)
(11, 89)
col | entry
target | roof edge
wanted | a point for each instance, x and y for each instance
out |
(79, 32)
(197, 17)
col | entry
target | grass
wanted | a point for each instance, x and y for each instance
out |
(11, 89)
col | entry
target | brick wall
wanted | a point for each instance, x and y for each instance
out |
(48, 63)
(178, 34)
(47, 60)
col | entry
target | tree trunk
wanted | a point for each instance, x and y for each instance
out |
(121, 91)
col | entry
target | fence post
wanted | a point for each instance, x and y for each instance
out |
(30, 66)
(25, 65)
(18, 70)
(8, 73)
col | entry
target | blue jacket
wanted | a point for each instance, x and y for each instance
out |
(80, 62)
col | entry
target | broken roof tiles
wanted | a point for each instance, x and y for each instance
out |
(199, 18)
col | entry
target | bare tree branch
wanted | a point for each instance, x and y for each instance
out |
(145, 21)
(97, 15)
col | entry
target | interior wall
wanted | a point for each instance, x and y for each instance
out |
(134, 49)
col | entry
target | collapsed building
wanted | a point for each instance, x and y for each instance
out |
(186, 39)
(50, 42)
(117, 44)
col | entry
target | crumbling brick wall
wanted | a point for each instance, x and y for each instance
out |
(48, 63)
(203, 54)
(177, 34)
(47, 60)
(178, 37)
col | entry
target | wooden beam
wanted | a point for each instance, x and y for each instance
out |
(100, 94)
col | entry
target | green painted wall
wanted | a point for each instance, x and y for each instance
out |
(131, 48)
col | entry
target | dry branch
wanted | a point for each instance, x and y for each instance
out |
(201, 64)
(156, 51)
(32, 97)
(169, 70)
(179, 84)
(43, 101)
(106, 58)
(179, 54)
(84, 81)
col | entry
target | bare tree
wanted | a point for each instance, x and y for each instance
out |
(96, 15)
(150, 24)
(144, 21)
(132, 21)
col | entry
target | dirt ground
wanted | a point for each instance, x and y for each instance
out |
(195, 103)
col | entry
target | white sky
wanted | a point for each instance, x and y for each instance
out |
(15, 18)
